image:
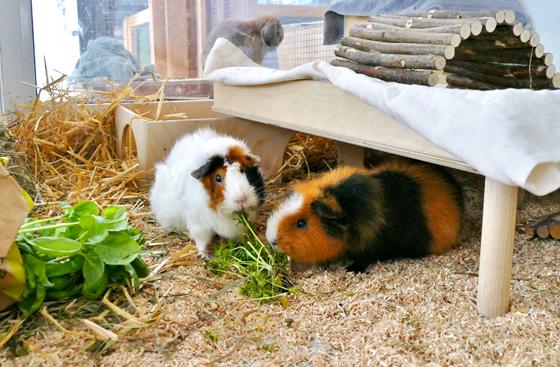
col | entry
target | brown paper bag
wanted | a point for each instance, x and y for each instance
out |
(14, 209)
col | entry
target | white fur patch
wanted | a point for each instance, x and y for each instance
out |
(290, 206)
(238, 193)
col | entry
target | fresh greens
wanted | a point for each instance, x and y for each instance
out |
(81, 252)
(265, 271)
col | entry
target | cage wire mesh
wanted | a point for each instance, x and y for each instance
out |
(303, 42)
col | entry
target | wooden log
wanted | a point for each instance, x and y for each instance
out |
(509, 17)
(477, 48)
(503, 31)
(545, 226)
(554, 230)
(399, 48)
(464, 30)
(493, 44)
(498, 15)
(476, 28)
(521, 58)
(487, 24)
(464, 82)
(429, 78)
(505, 40)
(535, 39)
(532, 83)
(507, 70)
(409, 22)
(391, 60)
(542, 231)
(365, 31)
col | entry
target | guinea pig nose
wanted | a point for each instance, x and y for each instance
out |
(273, 245)
(241, 200)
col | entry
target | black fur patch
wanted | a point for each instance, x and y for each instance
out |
(456, 188)
(354, 196)
(256, 180)
(405, 232)
(207, 168)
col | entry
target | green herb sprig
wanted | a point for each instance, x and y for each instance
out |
(83, 251)
(265, 270)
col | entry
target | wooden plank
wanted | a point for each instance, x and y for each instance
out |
(154, 139)
(496, 249)
(321, 109)
(201, 32)
(178, 45)
(158, 37)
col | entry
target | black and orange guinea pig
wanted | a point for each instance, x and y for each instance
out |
(398, 209)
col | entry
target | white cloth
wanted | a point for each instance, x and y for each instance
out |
(511, 136)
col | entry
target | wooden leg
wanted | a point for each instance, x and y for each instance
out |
(521, 198)
(496, 251)
(350, 155)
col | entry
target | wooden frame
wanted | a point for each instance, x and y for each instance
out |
(17, 64)
(321, 109)
(130, 24)
(138, 133)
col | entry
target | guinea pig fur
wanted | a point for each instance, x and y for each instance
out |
(204, 181)
(398, 209)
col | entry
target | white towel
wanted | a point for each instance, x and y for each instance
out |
(511, 136)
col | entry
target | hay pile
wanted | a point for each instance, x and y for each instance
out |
(409, 312)
(68, 146)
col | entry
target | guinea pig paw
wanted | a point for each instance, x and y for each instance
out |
(204, 255)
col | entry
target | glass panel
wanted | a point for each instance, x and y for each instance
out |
(94, 40)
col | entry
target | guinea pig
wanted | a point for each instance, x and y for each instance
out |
(253, 37)
(398, 209)
(204, 181)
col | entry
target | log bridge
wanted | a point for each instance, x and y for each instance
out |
(476, 50)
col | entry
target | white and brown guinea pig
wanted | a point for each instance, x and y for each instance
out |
(398, 209)
(204, 181)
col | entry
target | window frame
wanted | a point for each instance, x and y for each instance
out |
(17, 60)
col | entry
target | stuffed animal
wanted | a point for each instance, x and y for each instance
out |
(253, 37)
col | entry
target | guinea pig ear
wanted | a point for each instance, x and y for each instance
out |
(255, 159)
(327, 207)
(210, 166)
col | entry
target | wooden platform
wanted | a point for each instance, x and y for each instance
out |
(319, 108)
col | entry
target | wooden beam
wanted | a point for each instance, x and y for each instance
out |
(158, 37)
(178, 45)
(201, 33)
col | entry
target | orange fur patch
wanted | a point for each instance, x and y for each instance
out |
(311, 245)
(215, 190)
(442, 212)
(308, 245)
(238, 154)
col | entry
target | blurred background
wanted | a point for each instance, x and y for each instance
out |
(168, 39)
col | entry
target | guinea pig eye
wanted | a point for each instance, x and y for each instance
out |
(301, 223)
(218, 179)
(230, 162)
